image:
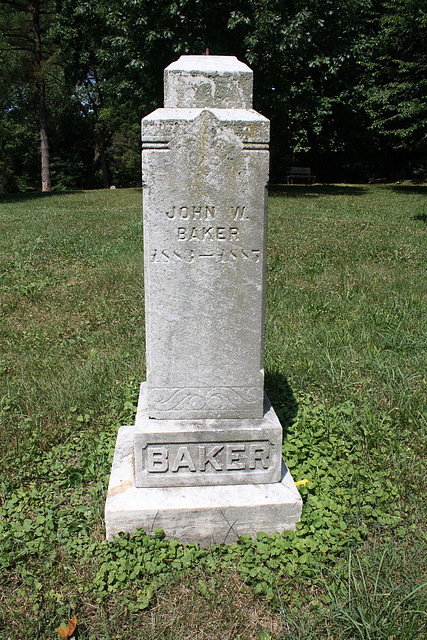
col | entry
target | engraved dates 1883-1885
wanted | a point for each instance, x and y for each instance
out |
(189, 255)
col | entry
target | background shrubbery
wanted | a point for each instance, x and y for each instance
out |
(344, 83)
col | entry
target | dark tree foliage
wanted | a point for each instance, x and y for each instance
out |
(394, 88)
(23, 27)
(344, 84)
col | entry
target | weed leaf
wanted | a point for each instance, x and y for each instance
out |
(67, 632)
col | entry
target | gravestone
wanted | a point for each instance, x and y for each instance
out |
(203, 460)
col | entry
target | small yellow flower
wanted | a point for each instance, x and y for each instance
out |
(301, 482)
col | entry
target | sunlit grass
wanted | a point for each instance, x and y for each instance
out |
(72, 312)
(347, 295)
(346, 325)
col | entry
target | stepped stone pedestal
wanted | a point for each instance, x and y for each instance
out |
(203, 461)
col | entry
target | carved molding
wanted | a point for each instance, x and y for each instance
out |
(172, 399)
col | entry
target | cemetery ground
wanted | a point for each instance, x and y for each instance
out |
(346, 327)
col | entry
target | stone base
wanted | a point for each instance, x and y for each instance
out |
(184, 453)
(209, 514)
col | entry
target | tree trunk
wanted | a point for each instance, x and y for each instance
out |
(100, 159)
(44, 142)
(105, 176)
(34, 10)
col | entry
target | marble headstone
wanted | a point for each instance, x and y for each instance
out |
(203, 460)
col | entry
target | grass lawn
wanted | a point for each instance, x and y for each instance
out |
(346, 330)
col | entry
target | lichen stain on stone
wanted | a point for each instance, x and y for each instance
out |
(121, 488)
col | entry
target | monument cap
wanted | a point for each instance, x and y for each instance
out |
(219, 82)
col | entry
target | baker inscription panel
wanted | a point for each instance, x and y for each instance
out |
(202, 463)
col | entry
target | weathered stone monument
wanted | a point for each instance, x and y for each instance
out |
(203, 461)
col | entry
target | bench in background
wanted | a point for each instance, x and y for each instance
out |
(302, 174)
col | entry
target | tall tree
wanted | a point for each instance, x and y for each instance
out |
(83, 32)
(394, 86)
(23, 26)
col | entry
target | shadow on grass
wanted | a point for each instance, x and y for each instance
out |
(408, 188)
(422, 217)
(6, 198)
(282, 399)
(314, 191)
